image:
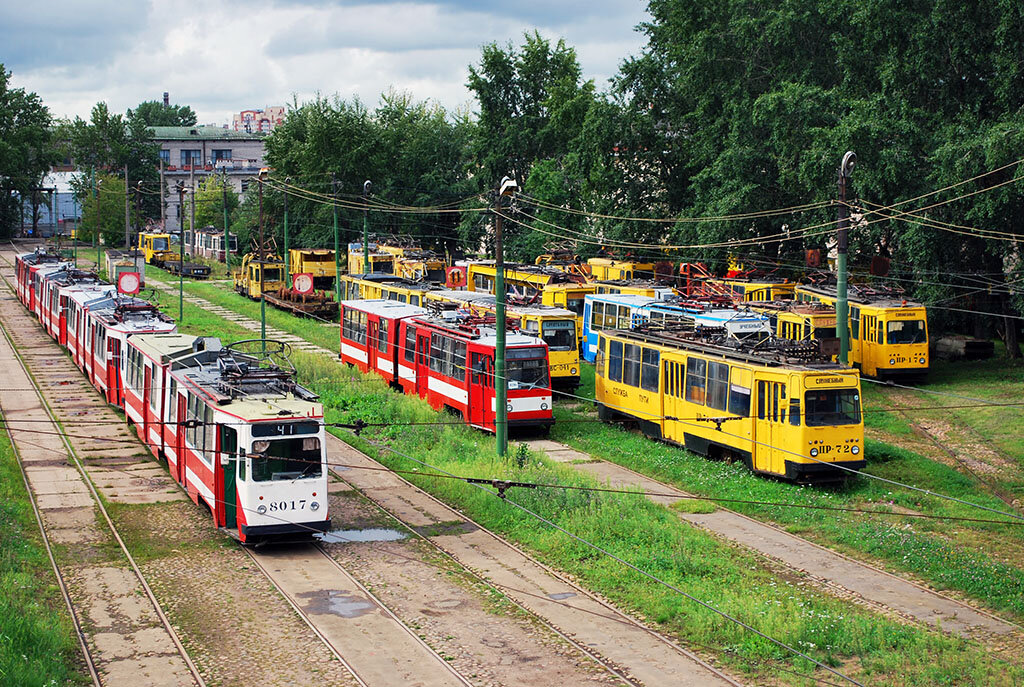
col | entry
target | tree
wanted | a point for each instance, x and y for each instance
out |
(155, 113)
(210, 201)
(532, 105)
(107, 209)
(26, 149)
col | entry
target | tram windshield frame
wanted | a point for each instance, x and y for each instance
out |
(526, 368)
(906, 332)
(832, 407)
(293, 458)
(161, 243)
(559, 335)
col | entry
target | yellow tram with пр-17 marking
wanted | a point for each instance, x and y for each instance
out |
(782, 411)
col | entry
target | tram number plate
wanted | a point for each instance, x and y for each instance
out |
(278, 506)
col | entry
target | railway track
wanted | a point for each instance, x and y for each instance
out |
(133, 647)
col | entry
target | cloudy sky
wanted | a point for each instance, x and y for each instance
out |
(221, 56)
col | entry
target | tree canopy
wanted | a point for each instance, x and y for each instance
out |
(155, 113)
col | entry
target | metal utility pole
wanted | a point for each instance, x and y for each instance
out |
(337, 249)
(366, 225)
(138, 219)
(74, 212)
(181, 251)
(127, 212)
(192, 192)
(263, 266)
(507, 188)
(224, 200)
(53, 214)
(287, 255)
(842, 305)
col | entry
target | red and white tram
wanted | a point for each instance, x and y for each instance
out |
(449, 361)
(240, 436)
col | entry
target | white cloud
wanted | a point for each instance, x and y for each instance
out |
(223, 56)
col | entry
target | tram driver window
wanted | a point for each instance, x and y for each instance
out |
(696, 380)
(615, 361)
(286, 459)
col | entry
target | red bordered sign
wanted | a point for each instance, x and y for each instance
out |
(456, 277)
(129, 282)
(302, 283)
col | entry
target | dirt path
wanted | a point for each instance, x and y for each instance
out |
(833, 570)
(603, 631)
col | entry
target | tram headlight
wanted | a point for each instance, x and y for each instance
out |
(315, 505)
(814, 453)
(261, 510)
(921, 360)
(509, 407)
(892, 361)
(543, 406)
(855, 450)
(573, 371)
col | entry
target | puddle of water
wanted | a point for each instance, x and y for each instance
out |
(372, 534)
(337, 602)
(561, 595)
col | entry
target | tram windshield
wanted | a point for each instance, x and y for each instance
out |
(575, 304)
(527, 368)
(559, 335)
(907, 332)
(283, 459)
(826, 407)
(272, 274)
(160, 243)
(824, 333)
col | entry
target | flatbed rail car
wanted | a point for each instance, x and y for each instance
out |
(556, 326)
(888, 335)
(318, 304)
(238, 433)
(381, 262)
(782, 412)
(449, 362)
(104, 332)
(618, 311)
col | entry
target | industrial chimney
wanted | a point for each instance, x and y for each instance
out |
(167, 99)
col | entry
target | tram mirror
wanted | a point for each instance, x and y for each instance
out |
(311, 444)
(260, 446)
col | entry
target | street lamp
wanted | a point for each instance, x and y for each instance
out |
(507, 188)
(262, 261)
(842, 239)
(366, 225)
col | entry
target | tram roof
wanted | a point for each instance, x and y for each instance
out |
(488, 299)
(862, 297)
(382, 306)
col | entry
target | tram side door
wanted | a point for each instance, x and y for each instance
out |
(113, 368)
(147, 392)
(478, 402)
(178, 471)
(372, 332)
(228, 449)
(766, 432)
(422, 361)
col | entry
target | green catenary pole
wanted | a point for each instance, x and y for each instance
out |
(337, 250)
(224, 201)
(508, 187)
(287, 255)
(842, 241)
(96, 218)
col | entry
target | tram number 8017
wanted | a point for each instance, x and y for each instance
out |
(286, 505)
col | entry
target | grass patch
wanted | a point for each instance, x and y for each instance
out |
(37, 641)
(652, 537)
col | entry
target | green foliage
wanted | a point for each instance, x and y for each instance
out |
(107, 207)
(155, 113)
(26, 149)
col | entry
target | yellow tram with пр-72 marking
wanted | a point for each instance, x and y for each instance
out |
(783, 411)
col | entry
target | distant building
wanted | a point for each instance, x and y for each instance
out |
(57, 211)
(258, 121)
(192, 153)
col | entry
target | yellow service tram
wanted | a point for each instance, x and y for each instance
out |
(888, 335)
(781, 410)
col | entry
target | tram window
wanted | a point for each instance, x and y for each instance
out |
(437, 352)
(855, 323)
(152, 387)
(414, 300)
(286, 459)
(209, 435)
(382, 336)
(527, 368)
(410, 344)
(596, 315)
(775, 402)
(631, 365)
(228, 440)
(599, 360)
(559, 335)
(172, 401)
(477, 367)
(762, 393)
(696, 380)
(907, 332)
(615, 361)
(739, 400)
(458, 363)
(832, 407)
(718, 385)
(821, 333)
(609, 315)
(650, 361)
(794, 411)
(623, 320)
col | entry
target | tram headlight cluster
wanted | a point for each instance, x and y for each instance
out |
(573, 371)
(315, 505)
(262, 509)
(855, 450)
(814, 453)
